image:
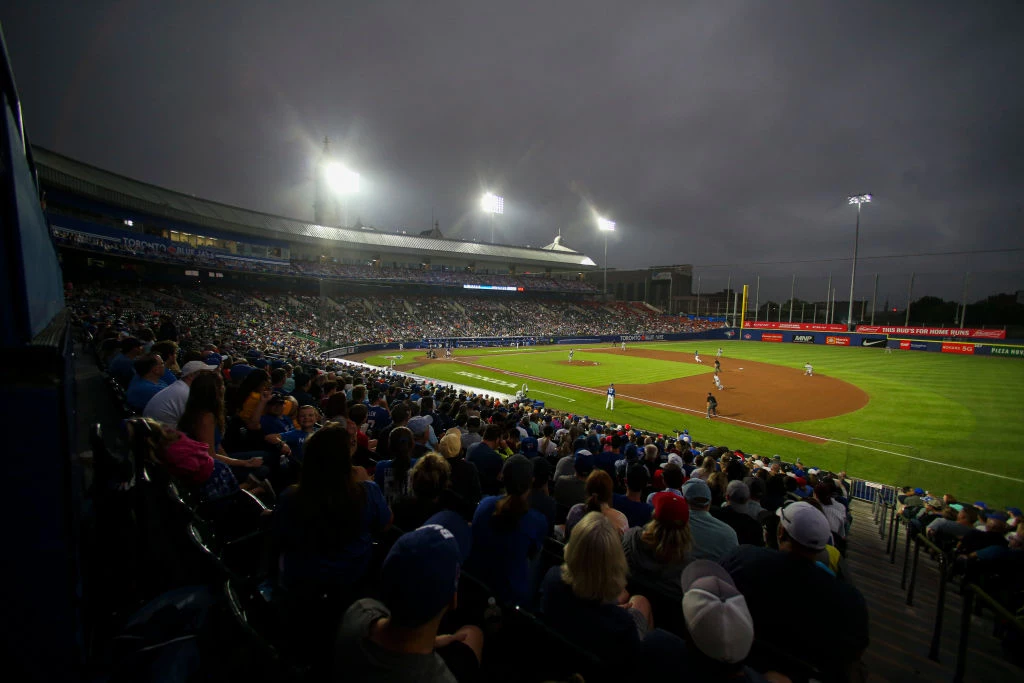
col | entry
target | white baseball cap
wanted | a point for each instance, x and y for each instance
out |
(716, 613)
(194, 366)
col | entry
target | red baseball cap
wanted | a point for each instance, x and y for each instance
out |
(668, 507)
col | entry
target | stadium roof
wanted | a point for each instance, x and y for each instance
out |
(57, 170)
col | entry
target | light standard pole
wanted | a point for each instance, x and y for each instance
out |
(606, 226)
(493, 205)
(857, 199)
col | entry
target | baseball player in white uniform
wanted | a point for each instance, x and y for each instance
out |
(696, 357)
(808, 369)
(571, 351)
(718, 382)
(719, 354)
(609, 403)
(623, 344)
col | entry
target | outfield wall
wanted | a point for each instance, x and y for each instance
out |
(1008, 348)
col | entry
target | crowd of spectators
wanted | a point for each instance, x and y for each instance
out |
(633, 546)
(300, 325)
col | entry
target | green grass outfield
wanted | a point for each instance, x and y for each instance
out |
(952, 424)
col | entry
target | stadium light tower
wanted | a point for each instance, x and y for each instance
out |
(857, 199)
(343, 182)
(493, 205)
(605, 226)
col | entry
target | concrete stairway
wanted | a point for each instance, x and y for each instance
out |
(900, 634)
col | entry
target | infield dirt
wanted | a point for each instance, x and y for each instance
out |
(760, 392)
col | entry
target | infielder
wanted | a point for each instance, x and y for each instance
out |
(718, 382)
(571, 351)
(623, 344)
(808, 369)
(718, 366)
(609, 403)
(696, 357)
(719, 354)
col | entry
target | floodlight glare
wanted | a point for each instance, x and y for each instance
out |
(859, 199)
(341, 179)
(493, 204)
(605, 224)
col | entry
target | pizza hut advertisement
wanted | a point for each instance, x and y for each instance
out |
(837, 341)
(771, 337)
(954, 347)
(934, 331)
(798, 327)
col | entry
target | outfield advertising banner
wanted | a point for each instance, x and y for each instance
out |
(913, 346)
(770, 337)
(873, 342)
(934, 331)
(837, 341)
(797, 327)
(803, 338)
(1007, 351)
(953, 347)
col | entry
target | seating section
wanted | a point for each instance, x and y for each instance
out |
(300, 325)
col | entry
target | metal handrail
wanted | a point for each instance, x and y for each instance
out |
(969, 591)
(940, 603)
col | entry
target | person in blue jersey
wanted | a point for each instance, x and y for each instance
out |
(274, 420)
(507, 534)
(120, 366)
(631, 504)
(146, 383)
(296, 438)
(609, 402)
(323, 527)
(487, 460)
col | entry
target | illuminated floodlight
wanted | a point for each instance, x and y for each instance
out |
(859, 199)
(342, 179)
(605, 224)
(493, 204)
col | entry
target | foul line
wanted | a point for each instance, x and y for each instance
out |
(737, 420)
(887, 443)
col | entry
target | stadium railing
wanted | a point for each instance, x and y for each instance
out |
(970, 591)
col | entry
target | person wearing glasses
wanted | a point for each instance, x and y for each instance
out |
(146, 383)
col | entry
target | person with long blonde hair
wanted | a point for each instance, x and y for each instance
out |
(585, 598)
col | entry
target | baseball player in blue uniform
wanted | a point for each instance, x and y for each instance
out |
(609, 403)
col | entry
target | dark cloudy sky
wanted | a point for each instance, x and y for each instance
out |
(714, 133)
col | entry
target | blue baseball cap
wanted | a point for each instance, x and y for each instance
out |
(213, 359)
(583, 461)
(239, 371)
(1001, 516)
(529, 446)
(919, 492)
(1015, 512)
(421, 572)
(980, 505)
